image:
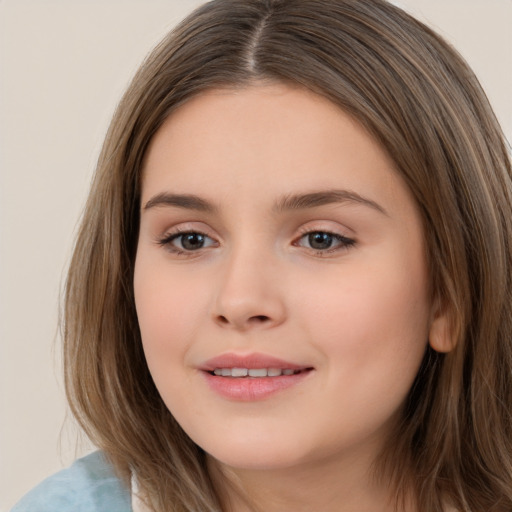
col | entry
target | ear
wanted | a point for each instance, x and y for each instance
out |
(442, 333)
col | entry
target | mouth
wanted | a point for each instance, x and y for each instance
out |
(258, 373)
(254, 377)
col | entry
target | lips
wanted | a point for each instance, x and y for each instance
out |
(253, 372)
(251, 361)
(252, 377)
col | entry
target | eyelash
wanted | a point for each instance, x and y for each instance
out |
(167, 241)
(344, 243)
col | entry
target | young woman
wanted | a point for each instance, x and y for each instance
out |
(292, 285)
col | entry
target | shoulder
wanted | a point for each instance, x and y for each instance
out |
(89, 485)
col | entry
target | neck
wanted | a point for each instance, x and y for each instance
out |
(328, 486)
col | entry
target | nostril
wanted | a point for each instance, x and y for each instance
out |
(259, 318)
(242, 321)
(256, 319)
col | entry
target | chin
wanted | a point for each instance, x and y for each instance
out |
(245, 454)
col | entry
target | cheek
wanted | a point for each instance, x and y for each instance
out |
(167, 311)
(373, 320)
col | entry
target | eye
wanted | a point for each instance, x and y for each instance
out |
(189, 241)
(324, 241)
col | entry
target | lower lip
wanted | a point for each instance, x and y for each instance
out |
(251, 389)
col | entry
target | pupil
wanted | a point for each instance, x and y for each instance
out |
(192, 241)
(320, 240)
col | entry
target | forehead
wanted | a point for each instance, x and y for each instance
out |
(262, 138)
(262, 116)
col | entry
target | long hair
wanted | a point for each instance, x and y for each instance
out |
(417, 97)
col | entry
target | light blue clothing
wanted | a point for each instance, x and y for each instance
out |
(89, 485)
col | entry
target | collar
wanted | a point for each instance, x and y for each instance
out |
(137, 504)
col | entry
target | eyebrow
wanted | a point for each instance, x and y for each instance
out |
(287, 203)
(186, 201)
(326, 197)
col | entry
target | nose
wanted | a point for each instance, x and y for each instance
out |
(250, 293)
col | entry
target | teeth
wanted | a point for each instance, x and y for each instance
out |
(253, 372)
(258, 372)
(239, 372)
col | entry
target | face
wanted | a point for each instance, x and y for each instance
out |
(280, 279)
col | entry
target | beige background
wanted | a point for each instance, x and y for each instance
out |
(63, 67)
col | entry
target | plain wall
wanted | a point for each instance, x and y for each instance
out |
(63, 67)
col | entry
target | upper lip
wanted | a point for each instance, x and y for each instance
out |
(249, 361)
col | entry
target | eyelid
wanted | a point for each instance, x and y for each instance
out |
(180, 227)
(177, 234)
(166, 239)
(334, 229)
(344, 244)
(326, 226)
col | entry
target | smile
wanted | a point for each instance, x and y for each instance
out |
(252, 377)
(253, 372)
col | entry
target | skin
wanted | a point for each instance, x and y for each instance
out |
(358, 313)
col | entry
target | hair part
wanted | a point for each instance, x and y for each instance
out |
(417, 97)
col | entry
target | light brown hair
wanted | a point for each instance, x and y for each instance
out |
(421, 102)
